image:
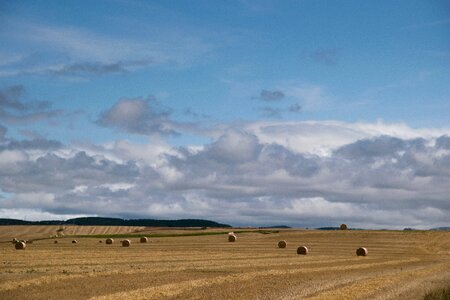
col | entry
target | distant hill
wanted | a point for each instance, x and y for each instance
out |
(99, 221)
(338, 228)
(328, 228)
(275, 226)
(441, 228)
(22, 222)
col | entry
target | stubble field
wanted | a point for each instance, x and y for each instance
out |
(400, 264)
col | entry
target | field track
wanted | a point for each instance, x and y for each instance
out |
(400, 265)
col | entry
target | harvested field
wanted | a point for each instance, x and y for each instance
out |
(400, 265)
(38, 232)
(33, 232)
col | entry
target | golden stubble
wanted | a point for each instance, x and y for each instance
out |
(398, 266)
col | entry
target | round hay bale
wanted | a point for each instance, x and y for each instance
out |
(126, 243)
(303, 250)
(74, 241)
(20, 245)
(55, 242)
(109, 241)
(362, 252)
(100, 241)
(231, 233)
(144, 239)
(282, 244)
(232, 238)
(343, 227)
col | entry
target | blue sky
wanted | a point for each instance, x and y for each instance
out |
(186, 94)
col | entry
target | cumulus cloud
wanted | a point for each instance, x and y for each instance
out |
(374, 148)
(9, 160)
(139, 116)
(233, 147)
(370, 183)
(52, 172)
(371, 175)
(320, 137)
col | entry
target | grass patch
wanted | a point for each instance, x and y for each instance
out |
(31, 271)
(438, 294)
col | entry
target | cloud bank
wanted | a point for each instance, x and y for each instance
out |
(372, 175)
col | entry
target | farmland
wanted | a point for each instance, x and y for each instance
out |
(202, 264)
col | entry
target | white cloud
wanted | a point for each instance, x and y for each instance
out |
(151, 153)
(321, 137)
(9, 158)
(119, 186)
(234, 147)
(80, 189)
(312, 174)
(319, 207)
(140, 116)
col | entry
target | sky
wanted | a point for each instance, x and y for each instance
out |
(306, 113)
